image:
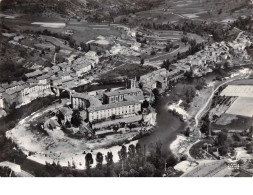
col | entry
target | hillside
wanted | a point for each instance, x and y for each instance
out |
(94, 10)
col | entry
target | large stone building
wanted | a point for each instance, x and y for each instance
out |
(121, 95)
(83, 101)
(156, 79)
(119, 109)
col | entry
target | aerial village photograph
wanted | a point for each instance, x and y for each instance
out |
(126, 88)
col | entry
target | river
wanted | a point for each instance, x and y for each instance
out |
(167, 128)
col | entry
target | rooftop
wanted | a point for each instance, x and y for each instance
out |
(93, 101)
(110, 106)
(66, 111)
(122, 92)
(34, 73)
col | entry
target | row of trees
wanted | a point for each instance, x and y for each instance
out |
(134, 161)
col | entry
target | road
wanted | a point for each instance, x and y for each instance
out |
(238, 36)
(202, 109)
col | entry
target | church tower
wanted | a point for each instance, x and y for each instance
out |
(131, 83)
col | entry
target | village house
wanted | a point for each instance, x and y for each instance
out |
(55, 69)
(81, 69)
(65, 67)
(82, 66)
(34, 74)
(64, 76)
(92, 57)
(12, 93)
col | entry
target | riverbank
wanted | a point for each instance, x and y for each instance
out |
(181, 145)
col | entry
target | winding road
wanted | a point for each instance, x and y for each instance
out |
(203, 108)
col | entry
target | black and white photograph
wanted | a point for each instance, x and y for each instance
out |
(126, 89)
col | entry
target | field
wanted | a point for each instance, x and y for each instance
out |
(83, 31)
(243, 82)
(238, 90)
(229, 122)
(243, 106)
(211, 10)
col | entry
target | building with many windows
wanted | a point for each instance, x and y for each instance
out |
(118, 109)
(121, 95)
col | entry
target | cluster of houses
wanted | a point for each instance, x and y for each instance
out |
(39, 83)
(219, 53)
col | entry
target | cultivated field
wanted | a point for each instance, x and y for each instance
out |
(243, 106)
(210, 10)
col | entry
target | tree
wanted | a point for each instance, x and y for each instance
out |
(5, 172)
(115, 128)
(131, 126)
(223, 150)
(222, 137)
(145, 104)
(190, 94)
(187, 132)
(67, 124)
(205, 126)
(142, 61)
(109, 158)
(138, 149)
(156, 93)
(166, 64)
(171, 161)
(57, 49)
(133, 173)
(113, 117)
(76, 119)
(184, 39)
(152, 52)
(249, 148)
(149, 170)
(131, 151)
(122, 155)
(99, 159)
(200, 84)
(88, 160)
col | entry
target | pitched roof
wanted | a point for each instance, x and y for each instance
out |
(114, 105)
(34, 73)
(66, 111)
(122, 92)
